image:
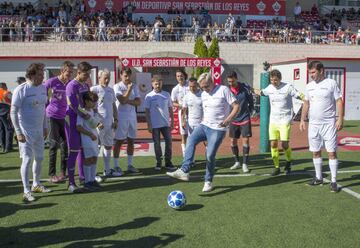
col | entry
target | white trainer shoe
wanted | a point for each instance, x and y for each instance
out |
(245, 168)
(179, 174)
(235, 166)
(27, 197)
(207, 187)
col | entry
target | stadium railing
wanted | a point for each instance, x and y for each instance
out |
(109, 34)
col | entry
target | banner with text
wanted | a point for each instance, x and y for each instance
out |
(214, 63)
(244, 7)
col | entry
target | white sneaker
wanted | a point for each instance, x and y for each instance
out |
(235, 166)
(245, 168)
(207, 187)
(40, 189)
(117, 172)
(75, 189)
(179, 174)
(27, 197)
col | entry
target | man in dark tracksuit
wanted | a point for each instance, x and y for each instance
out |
(241, 125)
(6, 129)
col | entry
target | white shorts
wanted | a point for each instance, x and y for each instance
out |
(182, 130)
(106, 136)
(320, 134)
(90, 152)
(33, 147)
(126, 129)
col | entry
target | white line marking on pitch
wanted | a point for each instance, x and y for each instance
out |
(346, 190)
(349, 191)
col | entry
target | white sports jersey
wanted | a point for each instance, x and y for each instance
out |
(193, 104)
(105, 103)
(158, 105)
(178, 93)
(89, 125)
(281, 102)
(126, 110)
(31, 102)
(322, 97)
(216, 106)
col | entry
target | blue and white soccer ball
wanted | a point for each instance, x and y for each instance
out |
(176, 199)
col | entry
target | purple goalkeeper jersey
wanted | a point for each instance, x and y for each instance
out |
(56, 107)
(74, 94)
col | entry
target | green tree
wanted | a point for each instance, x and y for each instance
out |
(214, 50)
(201, 51)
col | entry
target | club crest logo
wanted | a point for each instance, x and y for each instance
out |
(125, 62)
(109, 4)
(92, 3)
(217, 62)
(261, 6)
(276, 7)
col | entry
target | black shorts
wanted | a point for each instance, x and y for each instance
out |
(244, 130)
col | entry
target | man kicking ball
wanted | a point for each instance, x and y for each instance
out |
(217, 101)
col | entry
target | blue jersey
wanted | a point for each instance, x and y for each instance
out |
(244, 97)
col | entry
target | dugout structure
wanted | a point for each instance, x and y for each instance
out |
(145, 86)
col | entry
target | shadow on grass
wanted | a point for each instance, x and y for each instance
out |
(191, 207)
(162, 240)
(260, 183)
(10, 188)
(342, 164)
(17, 237)
(8, 168)
(352, 178)
(8, 209)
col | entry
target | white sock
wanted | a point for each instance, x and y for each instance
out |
(130, 159)
(333, 164)
(87, 172)
(318, 167)
(116, 162)
(106, 157)
(24, 172)
(36, 171)
(183, 146)
(93, 172)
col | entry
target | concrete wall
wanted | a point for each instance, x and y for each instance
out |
(232, 53)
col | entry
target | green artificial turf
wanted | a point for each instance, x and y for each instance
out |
(242, 211)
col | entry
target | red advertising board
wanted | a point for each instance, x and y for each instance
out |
(244, 7)
(214, 63)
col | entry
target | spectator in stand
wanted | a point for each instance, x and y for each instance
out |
(238, 22)
(129, 10)
(157, 31)
(102, 27)
(314, 10)
(297, 11)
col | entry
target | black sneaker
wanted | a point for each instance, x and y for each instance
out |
(170, 167)
(158, 167)
(89, 187)
(287, 168)
(95, 184)
(334, 188)
(315, 182)
(275, 172)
